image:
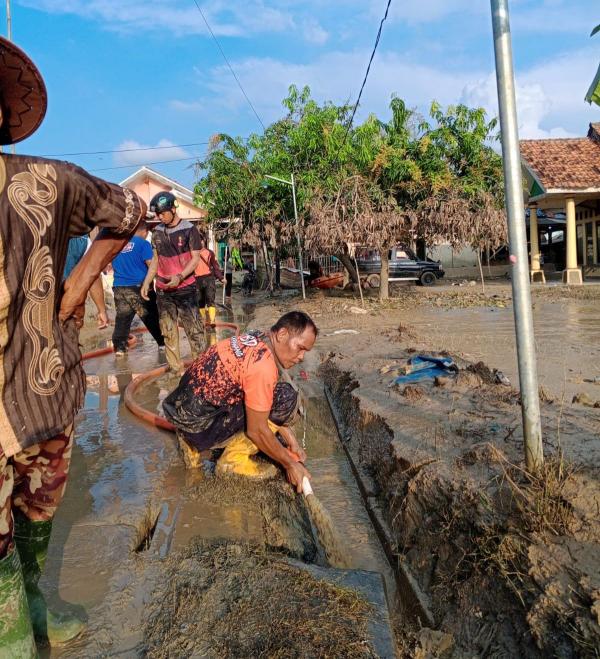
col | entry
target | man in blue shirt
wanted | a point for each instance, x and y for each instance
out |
(76, 250)
(130, 268)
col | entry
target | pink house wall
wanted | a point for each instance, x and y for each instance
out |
(147, 188)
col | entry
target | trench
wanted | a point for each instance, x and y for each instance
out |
(131, 505)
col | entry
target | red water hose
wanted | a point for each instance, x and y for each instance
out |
(129, 397)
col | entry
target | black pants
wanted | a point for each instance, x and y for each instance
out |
(206, 286)
(229, 284)
(128, 303)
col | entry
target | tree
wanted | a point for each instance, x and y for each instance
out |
(465, 206)
(593, 94)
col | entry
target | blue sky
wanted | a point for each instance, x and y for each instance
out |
(124, 74)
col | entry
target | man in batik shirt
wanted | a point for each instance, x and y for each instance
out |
(42, 383)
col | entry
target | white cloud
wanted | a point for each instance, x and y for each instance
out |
(427, 11)
(549, 96)
(336, 76)
(314, 32)
(226, 18)
(131, 152)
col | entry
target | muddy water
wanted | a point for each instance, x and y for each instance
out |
(335, 486)
(567, 340)
(124, 503)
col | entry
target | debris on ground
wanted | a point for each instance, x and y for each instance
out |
(233, 600)
(426, 367)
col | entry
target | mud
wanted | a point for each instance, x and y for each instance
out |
(232, 600)
(444, 467)
(132, 510)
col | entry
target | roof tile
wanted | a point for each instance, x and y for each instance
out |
(570, 164)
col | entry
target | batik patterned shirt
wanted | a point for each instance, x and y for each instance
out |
(42, 204)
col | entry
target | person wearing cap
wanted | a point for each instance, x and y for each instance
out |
(232, 386)
(176, 252)
(42, 383)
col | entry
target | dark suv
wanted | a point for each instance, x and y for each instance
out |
(404, 265)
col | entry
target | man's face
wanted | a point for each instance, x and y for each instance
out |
(290, 348)
(166, 217)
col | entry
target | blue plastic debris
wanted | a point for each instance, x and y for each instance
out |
(424, 367)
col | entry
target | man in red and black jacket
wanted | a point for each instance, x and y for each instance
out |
(176, 252)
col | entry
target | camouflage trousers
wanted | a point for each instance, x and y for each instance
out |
(33, 482)
(180, 307)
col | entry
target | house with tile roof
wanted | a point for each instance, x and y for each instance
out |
(564, 175)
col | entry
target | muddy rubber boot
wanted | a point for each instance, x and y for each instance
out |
(16, 635)
(32, 540)
(237, 459)
(212, 314)
(203, 311)
(191, 456)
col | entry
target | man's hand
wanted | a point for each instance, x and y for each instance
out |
(144, 291)
(295, 472)
(174, 281)
(72, 303)
(87, 272)
(102, 320)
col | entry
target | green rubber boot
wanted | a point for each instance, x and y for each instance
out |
(16, 636)
(32, 540)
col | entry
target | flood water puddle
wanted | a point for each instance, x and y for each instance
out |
(567, 339)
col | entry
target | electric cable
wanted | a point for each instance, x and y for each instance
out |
(143, 164)
(212, 34)
(364, 82)
(144, 148)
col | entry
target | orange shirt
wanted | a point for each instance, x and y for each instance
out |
(236, 369)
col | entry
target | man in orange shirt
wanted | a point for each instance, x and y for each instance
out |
(207, 271)
(235, 380)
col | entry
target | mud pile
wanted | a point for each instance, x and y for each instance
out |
(506, 563)
(233, 600)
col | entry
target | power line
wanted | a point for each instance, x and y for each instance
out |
(143, 164)
(364, 82)
(145, 148)
(212, 34)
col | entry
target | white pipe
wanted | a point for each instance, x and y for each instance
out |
(306, 487)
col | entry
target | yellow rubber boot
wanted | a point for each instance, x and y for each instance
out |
(212, 314)
(237, 459)
(203, 316)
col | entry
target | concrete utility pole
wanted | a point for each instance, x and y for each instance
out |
(8, 21)
(9, 36)
(513, 187)
(292, 184)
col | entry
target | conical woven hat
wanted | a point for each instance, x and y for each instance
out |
(22, 94)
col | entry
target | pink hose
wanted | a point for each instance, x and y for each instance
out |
(129, 397)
